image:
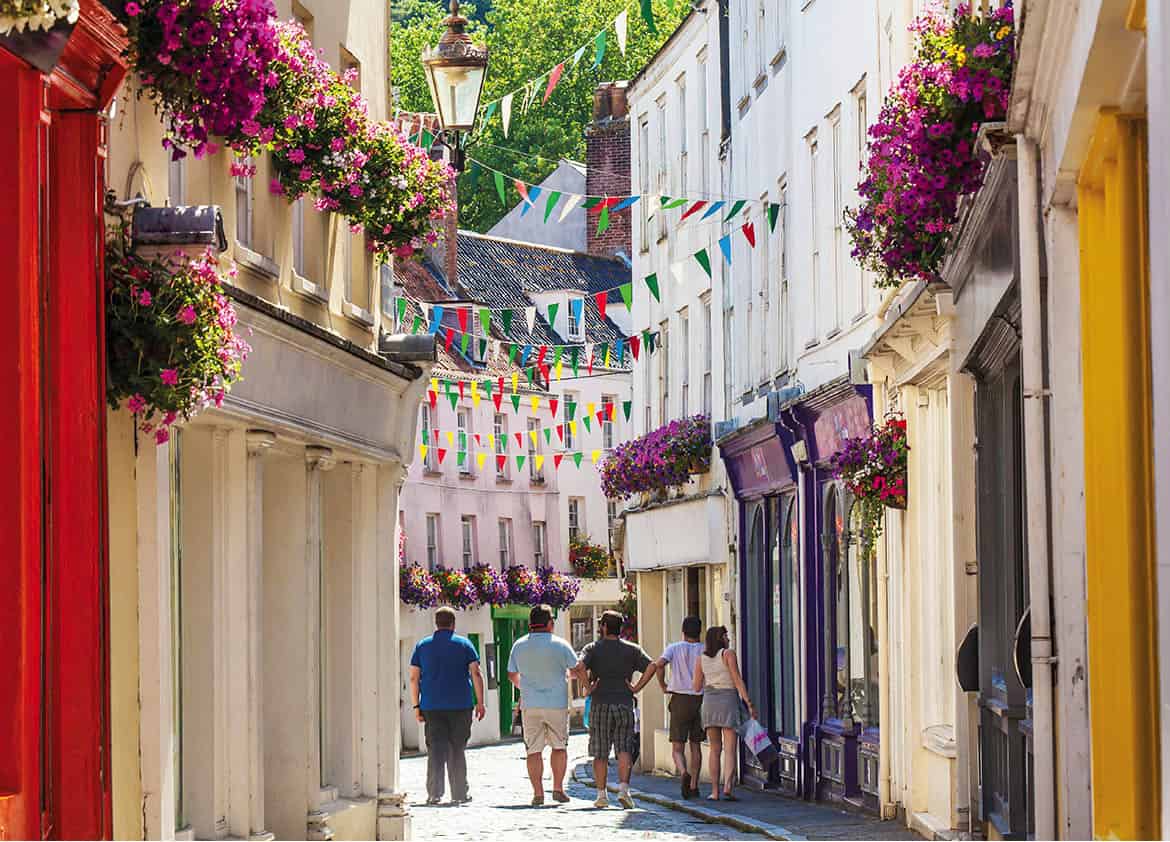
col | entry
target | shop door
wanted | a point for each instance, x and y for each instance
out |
(507, 628)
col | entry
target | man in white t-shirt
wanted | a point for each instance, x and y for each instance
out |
(686, 706)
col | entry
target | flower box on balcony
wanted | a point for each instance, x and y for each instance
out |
(662, 459)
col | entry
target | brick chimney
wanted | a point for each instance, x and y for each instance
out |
(607, 162)
(444, 253)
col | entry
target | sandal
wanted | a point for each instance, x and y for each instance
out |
(730, 796)
(712, 797)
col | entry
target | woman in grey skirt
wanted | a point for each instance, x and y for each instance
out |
(717, 676)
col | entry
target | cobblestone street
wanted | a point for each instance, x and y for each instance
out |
(500, 791)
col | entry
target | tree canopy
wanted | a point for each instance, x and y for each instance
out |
(526, 39)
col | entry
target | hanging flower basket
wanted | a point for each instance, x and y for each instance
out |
(490, 585)
(874, 469)
(922, 155)
(662, 459)
(557, 589)
(171, 342)
(38, 30)
(456, 587)
(524, 585)
(588, 560)
(417, 587)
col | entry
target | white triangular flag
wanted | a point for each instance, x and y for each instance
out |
(571, 201)
(678, 269)
(588, 353)
(620, 23)
(407, 129)
(506, 112)
(530, 318)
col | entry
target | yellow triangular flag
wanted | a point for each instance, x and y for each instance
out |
(515, 381)
(535, 403)
(595, 455)
(539, 461)
(590, 408)
(450, 438)
(560, 365)
(573, 427)
(532, 435)
(479, 459)
(435, 385)
(491, 442)
(474, 396)
(607, 357)
(422, 449)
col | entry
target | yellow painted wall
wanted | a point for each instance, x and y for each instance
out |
(1123, 668)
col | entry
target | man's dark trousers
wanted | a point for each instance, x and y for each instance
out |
(447, 733)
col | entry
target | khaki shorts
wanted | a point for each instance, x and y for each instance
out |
(545, 727)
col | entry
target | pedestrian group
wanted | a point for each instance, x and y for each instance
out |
(708, 698)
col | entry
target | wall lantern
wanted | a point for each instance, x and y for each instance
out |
(456, 69)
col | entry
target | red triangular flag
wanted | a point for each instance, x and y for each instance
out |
(477, 441)
(749, 231)
(605, 204)
(635, 346)
(611, 409)
(543, 369)
(553, 78)
(500, 385)
(540, 354)
(497, 396)
(432, 397)
(695, 208)
(589, 366)
(557, 457)
(522, 189)
(600, 299)
(460, 390)
(501, 460)
(462, 314)
(561, 432)
(450, 338)
(435, 436)
(442, 453)
(552, 407)
(600, 415)
(519, 440)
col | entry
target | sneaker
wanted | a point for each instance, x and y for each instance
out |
(560, 797)
(431, 802)
(626, 800)
(464, 800)
(602, 801)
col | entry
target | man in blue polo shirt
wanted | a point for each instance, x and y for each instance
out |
(443, 669)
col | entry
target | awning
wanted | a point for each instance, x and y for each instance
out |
(677, 533)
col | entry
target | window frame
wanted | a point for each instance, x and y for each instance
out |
(576, 530)
(463, 438)
(539, 543)
(434, 539)
(506, 542)
(467, 529)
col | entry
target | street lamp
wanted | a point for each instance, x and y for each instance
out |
(455, 69)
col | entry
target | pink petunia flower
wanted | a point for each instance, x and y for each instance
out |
(169, 376)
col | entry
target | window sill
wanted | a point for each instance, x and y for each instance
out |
(358, 314)
(743, 102)
(778, 59)
(812, 343)
(760, 80)
(833, 334)
(503, 480)
(256, 262)
(432, 472)
(305, 287)
(466, 475)
(536, 481)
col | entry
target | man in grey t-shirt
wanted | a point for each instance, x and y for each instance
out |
(613, 662)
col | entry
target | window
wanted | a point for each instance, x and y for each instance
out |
(762, 28)
(463, 423)
(861, 109)
(467, 525)
(431, 462)
(576, 332)
(244, 199)
(763, 346)
(708, 338)
(576, 505)
(386, 296)
(535, 474)
(663, 185)
(177, 182)
(608, 413)
(704, 123)
(663, 372)
(782, 326)
(611, 513)
(814, 239)
(681, 95)
(298, 236)
(745, 49)
(568, 409)
(500, 434)
(538, 543)
(838, 222)
(647, 400)
(505, 535)
(644, 174)
(684, 369)
(432, 541)
(775, 29)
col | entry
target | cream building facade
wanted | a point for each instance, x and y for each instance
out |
(254, 587)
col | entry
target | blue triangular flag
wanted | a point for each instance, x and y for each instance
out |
(524, 355)
(578, 305)
(625, 203)
(619, 348)
(725, 247)
(714, 207)
(436, 318)
(533, 192)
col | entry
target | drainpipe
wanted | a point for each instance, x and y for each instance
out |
(1036, 490)
(887, 806)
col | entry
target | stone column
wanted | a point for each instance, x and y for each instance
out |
(317, 460)
(829, 630)
(258, 443)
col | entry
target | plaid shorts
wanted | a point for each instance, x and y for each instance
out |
(610, 725)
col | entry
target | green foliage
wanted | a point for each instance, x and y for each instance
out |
(527, 38)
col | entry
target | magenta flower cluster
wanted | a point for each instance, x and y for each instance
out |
(490, 584)
(483, 585)
(661, 459)
(416, 586)
(207, 62)
(457, 588)
(524, 585)
(922, 155)
(171, 342)
(874, 469)
(558, 590)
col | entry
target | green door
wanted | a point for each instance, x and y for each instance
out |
(509, 624)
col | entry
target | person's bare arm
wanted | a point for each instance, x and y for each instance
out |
(477, 683)
(737, 679)
(660, 671)
(415, 678)
(514, 677)
(697, 681)
(650, 672)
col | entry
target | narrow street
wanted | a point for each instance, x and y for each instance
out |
(500, 806)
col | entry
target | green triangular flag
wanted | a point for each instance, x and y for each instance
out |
(773, 213)
(627, 407)
(417, 326)
(577, 459)
(507, 317)
(599, 47)
(499, 177)
(674, 203)
(426, 436)
(573, 355)
(648, 16)
(627, 291)
(704, 261)
(553, 198)
(520, 461)
(487, 387)
(557, 351)
(483, 349)
(548, 435)
(552, 314)
(463, 343)
(401, 305)
(454, 398)
(528, 373)
(591, 202)
(515, 403)
(428, 140)
(734, 210)
(473, 176)
(462, 455)
(603, 220)
(652, 285)
(485, 319)
(511, 354)
(585, 420)
(572, 408)
(490, 111)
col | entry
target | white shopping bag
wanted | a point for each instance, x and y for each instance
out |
(756, 738)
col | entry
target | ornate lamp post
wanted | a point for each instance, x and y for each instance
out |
(455, 69)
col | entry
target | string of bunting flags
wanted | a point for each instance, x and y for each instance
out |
(467, 445)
